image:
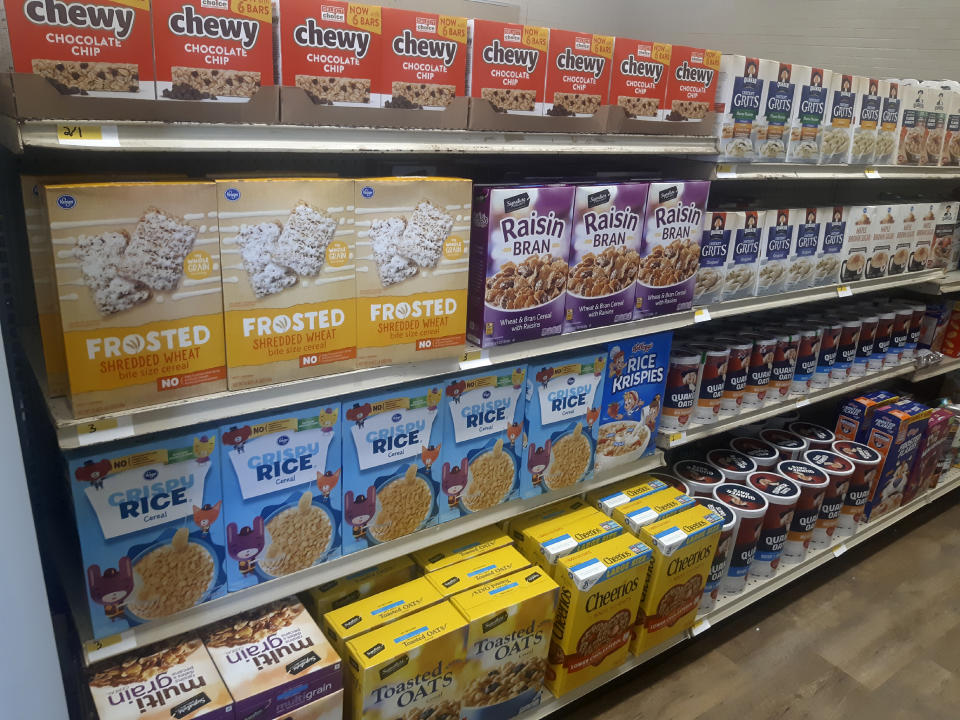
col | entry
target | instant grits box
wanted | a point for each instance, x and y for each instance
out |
(287, 249)
(151, 527)
(140, 296)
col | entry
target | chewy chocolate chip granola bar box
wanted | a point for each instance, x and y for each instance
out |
(638, 81)
(507, 66)
(578, 73)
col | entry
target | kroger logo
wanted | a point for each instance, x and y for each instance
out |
(367, 192)
(67, 202)
(571, 380)
(396, 417)
(486, 394)
(283, 440)
(150, 474)
(232, 194)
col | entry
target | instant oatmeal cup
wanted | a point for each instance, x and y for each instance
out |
(750, 507)
(813, 483)
(721, 558)
(461, 548)
(840, 471)
(782, 496)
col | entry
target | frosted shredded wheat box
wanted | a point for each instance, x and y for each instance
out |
(578, 73)
(641, 71)
(507, 65)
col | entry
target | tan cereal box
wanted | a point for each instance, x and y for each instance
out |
(461, 548)
(578, 73)
(546, 542)
(607, 498)
(350, 588)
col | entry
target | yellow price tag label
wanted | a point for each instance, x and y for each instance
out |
(872, 173)
(701, 315)
(109, 646)
(97, 426)
(102, 135)
(677, 438)
(105, 430)
(844, 291)
(471, 355)
(725, 170)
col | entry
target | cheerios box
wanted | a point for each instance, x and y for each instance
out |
(563, 406)
(482, 417)
(151, 527)
(391, 468)
(281, 493)
(510, 624)
(461, 548)
(607, 498)
(469, 573)
(546, 542)
(350, 588)
(649, 509)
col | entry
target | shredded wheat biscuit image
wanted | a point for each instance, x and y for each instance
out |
(211, 83)
(491, 478)
(690, 109)
(79, 78)
(569, 459)
(142, 667)
(424, 93)
(99, 257)
(577, 102)
(304, 239)
(253, 626)
(422, 238)
(266, 276)
(171, 578)
(327, 90)
(299, 536)
(157, 249)
(402, 506)
(503, 99)
(385, 235)
(639, 106)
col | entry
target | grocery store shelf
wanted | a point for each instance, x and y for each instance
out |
(948, 364)
(948, 283)
(785, 171)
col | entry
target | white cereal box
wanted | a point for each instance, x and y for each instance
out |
(842, 105)
(776, 113)
(927, 214)
(743, 256)
(942, 244)
(719, 228)
(860, 224)
(830, 253)
(908, 225)
(882, 242)
(951, 138)
(740, 92)
(935, 102)
(912, 142)
(775, 250)
(866, 121)
(808, 117)
(891, 117)
(803, 256)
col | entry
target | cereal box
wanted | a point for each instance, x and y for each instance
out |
(775, 251)
(329, 707)
(563, 406)
(477, 570)
(740, 92)
(331, 51)
(516, 525)
(350, 588)
(391, 442)
(519, 247)
(607, 498)
(882, 242)
(644, 511)
(638, 81)
(508, 65)
(935, 107)
(942, 244)
(866, 121)
(605, 247)
(774, 122)
(174, 679)
(212, 50)
(740, 272)
(718, 229)
(101, 50)
(830, 252)
(860, 223)
(545, 543)
(895, 432)
(671, 247)
(807, 118)
(412, 268)
(692, 88)
(923, 244)
(578, 73)
(888, 133)
(511, 621)
(929, 454)
(951, 138)
(911, 148)
(424, 61)
(803, 257)
(289, 281)
(854, 415)
(842, 104)
(463, 547)
(273, 659)
(482, 418)
(281, 493)
(600, 591)
(139, 288)
(151, 528)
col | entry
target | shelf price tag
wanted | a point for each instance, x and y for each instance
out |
(701, 315)
(726, 171)
(109, 646)
(473, 359)
(700, 627)
(844, 291)
(98, 431)
(91, 135)
(871, 173)
(677, 438)
(839, 550)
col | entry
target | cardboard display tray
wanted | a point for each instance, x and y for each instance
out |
(619, 123)
(484, 117)
(296, 108)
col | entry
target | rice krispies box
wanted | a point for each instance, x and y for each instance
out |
(507, 65)
(640, 74)
(578, 73)
(692, 88)
(151, 529)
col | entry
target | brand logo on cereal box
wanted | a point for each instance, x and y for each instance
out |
(669, 194)
(231, 194)
(641, 68)
(497, 54)
(67, 202)
(598, 198)
(332, 13)
(188, 23)
(700, 76)
(117, 20)
(152, 341)
(405, 44)
(516, 202)
(311, 34)
(568, 60)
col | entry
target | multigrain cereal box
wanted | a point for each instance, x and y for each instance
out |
(740, 92)
(151, 527)
(281, 493)
(391, 445)
(273, 659)
(545, 543)
(743, 255)
(461, 548)
(600, 590)
(607, 498)
(775, 251)
(139, 290)
(779, 95)
(477, 570)
(482, 418)
(560, 426)
(578, 73)
(803, 256)
(332, 51)
(350, 588)
(173, 679)
(866, 122)
(212, 50)
(638, 81)
(605, 246)
(412, 263)
(287, 249)
(519, 248)
(830, 252)
(807, 118)
(329, 707)
(507, 65)
(839, 119)
(888, 132)
(692, 88)
(718, 229)
(510, 624)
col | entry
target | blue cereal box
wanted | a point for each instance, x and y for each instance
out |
(482, 416)
(281, 493)
(391, 477)
(563, 406)
(151, 531)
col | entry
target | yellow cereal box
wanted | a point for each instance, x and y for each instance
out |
(511, 620)
(546, 542)
(599, 593)
(645, 510)
(476, 571)
(514, 527)
(683, 548)
(461, 548)
(350, 588)
(411, 668)
(605, 499)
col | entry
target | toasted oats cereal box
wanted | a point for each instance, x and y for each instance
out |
(172, 679)
(151, 528)
(774, 122)
(391, 442)
(600, 591)
(463, 547)
(563, 406)
(545, 543)
(474, 571)
(683, 549)
(775, 251)
(411, 668)
(718, 229)
(638, 82)
(866, 121)
(482, 417)
(830, 252)
(332, 51)
(511, 621)
(740, 92)
(649, 509)
(891, 116)
(692, 88)
(273, 659)
(839, 119)
(743, 257)
(412, 268)
(578, 73)
(803, 256)
(612, 496)
(288, 249)
(507, 66)
(807, 118)
(350, 588)
(139, 288)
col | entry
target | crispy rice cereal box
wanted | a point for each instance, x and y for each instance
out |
(474, 571)
(807, 119)
(507, 65)
(288, 248)
(212, 50)
(150, 520)
(482, 417)
(350, 588)
(600, 591)
(273, 659)
(638, 82)
(578, 73)
(830, 252)
(411, 668)
(282, 493)
(740, 94)
(461, 548)
(139, 289)
(174, 679)
(683, 549)
(412, 261)
(511, 621)
(692, 88)
(424, 61)
(545, 543)
(332, 51)
(646, 510)
(563, 406)
(391, 444)
(607, 498)
(888, 132)
(838, 122)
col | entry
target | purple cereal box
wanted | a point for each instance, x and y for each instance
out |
(671, 247)
(605, 246)
(519, 245)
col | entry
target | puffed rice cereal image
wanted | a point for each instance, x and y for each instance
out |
(171, 578)
(491, 477)
(403, 506)
(299, 535)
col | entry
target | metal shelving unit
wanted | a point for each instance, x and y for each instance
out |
(948, 283)
(948, 364)
(795, 171)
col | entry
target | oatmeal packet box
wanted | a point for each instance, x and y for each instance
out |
(350, 588)
(605, 245)
(842, 105)
(463, 547)
(808, 117)
(941, 246)
(391, 445)
(773, 267)
(951, 138)
(578, 73)
(562, 409)
(905, 239)
(519, 247)
(289, 283)
(935, 106)
(860, 224)
(482, 418)
(692, 88)
(151, 527)
(803, 256)
(927, 213)
(740, 95)
(830, 252)
(776, 113)
(639, 77)
(718, 228)
(891, 117)
(743, 256)
(507, 65)
(911, 147)
(882, 243)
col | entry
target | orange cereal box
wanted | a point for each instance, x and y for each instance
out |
(578, 73)
(508, 66)
(639, 81)
(692, 87)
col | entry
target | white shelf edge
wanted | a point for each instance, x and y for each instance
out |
(798, 171)
(944, 366)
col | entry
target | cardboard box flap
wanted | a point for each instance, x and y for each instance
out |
(678, 531)
(403, 636)
(588, 567)
(503, 593)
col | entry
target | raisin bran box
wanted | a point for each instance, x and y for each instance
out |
(578, 73)
(692, 88)
(638, 82)
(507, 65)
(151, 528)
